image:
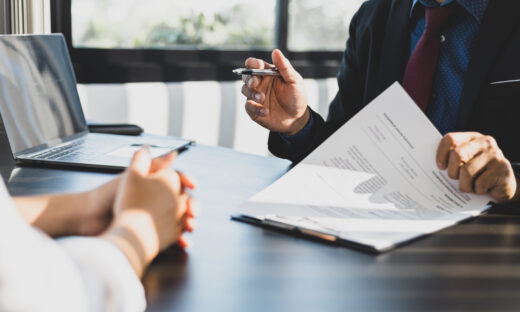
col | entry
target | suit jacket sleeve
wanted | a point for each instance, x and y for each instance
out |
(341, 108)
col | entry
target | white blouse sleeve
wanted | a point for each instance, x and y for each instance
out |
(109, 279)
(73, 274)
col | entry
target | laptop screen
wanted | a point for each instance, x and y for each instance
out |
(39, 102)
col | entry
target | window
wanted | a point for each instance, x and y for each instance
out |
(176, 40)
(320, 25)
(195, 24)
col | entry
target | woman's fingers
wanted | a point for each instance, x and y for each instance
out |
(162, 162)
(186, 182)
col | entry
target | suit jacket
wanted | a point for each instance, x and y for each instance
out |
(376, 56)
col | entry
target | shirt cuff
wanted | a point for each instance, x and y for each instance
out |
(298, 140)
(110, 281)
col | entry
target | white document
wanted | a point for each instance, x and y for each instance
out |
(374, 182)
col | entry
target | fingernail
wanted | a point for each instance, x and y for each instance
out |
(261, 111)
(250, 82)
(258, 97)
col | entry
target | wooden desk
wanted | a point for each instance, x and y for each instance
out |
(233, 266)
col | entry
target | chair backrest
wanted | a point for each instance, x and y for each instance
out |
(209, 112)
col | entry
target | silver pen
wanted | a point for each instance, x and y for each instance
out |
(257, 72)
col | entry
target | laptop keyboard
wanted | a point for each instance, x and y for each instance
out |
(69, 151)
(100, 146)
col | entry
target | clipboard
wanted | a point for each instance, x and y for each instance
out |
(325, 237)
(306, 233)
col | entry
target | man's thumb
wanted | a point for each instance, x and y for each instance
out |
(284, 67)
(141, 161)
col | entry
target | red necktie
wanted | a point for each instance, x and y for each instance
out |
(420, 71)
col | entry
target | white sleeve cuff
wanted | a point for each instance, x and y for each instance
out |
(110, 281)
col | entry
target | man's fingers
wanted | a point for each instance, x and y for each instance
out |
(141, 161)
(164, 161)
(461, 154)
(498, 179)
(251, 94)
(487, 181)
(466, 151)
(255, 110)
(289, 74)
(247, 92)
(470, 171)
(252, 82)
(255, 63)
(505, 190)
(448, 143)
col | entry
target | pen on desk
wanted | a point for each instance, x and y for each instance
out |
(256, 72)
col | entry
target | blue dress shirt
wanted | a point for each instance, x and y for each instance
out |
(452, 64)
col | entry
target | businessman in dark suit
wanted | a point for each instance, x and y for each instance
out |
(458, 59)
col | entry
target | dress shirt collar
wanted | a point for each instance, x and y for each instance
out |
(475, 8)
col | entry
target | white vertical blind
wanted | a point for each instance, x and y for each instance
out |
(30, 16)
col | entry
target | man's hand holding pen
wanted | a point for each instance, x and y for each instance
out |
(278, 103)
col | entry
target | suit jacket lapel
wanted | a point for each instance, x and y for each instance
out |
(496, 27)
(395, 48)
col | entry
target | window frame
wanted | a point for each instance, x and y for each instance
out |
(97, 65)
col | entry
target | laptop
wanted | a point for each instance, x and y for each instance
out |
(42, 116)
